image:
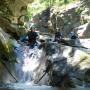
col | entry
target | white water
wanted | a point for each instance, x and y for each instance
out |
(28, 61)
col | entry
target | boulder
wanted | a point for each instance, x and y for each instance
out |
(13, 29)
(64, 65)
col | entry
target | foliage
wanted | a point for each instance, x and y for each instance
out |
(6, 49)
(79, 10)
(39, 5)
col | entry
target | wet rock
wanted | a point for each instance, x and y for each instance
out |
(67, 63)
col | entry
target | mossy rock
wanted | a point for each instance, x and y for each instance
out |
(6, 48)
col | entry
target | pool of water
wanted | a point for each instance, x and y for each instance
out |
(25, 86)
(29, 86)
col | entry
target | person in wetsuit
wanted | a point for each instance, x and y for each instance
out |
(58, 36)
(32, 36)
(74, 38)
(72, 35)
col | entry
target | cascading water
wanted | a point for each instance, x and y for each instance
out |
(28, 61)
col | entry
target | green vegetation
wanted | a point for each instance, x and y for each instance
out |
(39, 5)
(6, 49)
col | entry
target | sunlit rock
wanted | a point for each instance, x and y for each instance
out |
(83, 30)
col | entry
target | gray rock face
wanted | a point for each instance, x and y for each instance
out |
(85, 15)
(71, 18)
(83, 30)
(64, 63)
(7, 57)
(43, 18)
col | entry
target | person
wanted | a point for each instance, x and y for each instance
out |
(74, 38)
(72, 35)
(32, 37)
(58, 36)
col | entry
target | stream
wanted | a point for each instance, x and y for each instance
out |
(27, 86)
(28, 61)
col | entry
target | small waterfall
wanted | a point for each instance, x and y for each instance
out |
(28, 61)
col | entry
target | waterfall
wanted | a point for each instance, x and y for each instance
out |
(32, 64)
(28, 61)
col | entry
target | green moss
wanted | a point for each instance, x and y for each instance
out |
(6, 49)
(85, 59)
(79, 10)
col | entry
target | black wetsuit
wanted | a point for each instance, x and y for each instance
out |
(32, 38)
(58, 36)
(73, 37)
